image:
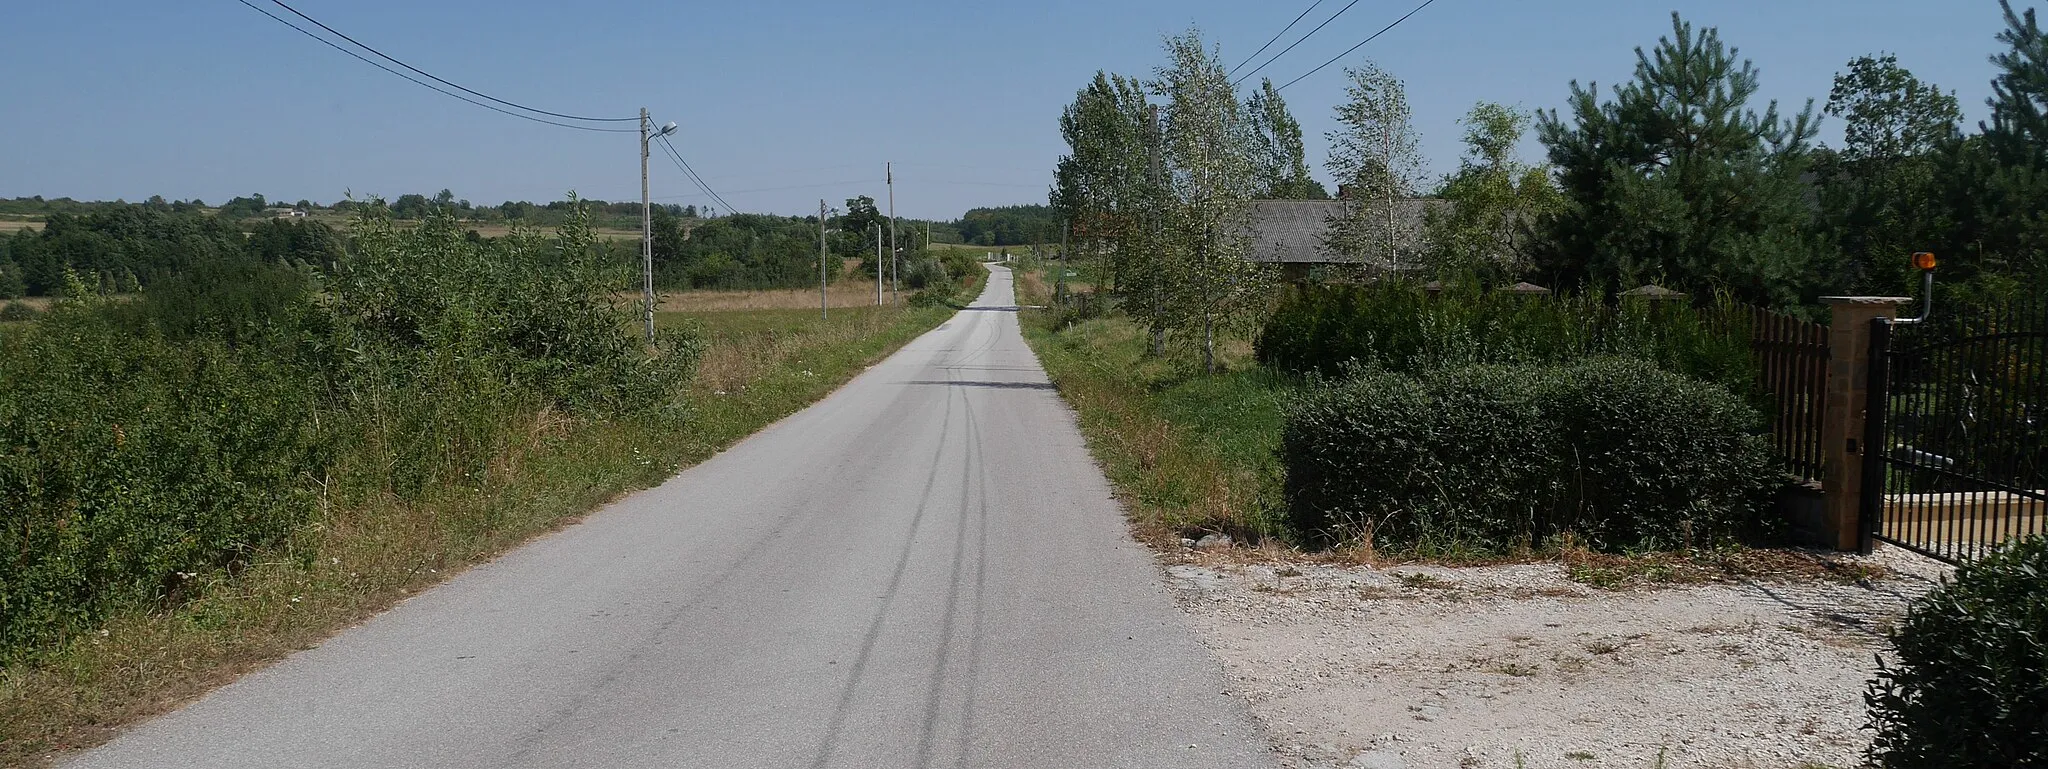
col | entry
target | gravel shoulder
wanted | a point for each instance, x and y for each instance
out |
(1520, 666)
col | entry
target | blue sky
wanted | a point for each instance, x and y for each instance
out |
(783, 102)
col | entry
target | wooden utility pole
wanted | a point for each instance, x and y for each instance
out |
(1060, 295)
(1387, 164)
(824, 306)
(878, 263)
(1158, 222)
(895, 263)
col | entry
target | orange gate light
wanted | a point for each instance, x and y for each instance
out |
(1923, 260)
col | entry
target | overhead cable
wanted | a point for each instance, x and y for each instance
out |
(430, 76)
(1275, 39)
(1299, 41)
(1361, 44)
(425, 84)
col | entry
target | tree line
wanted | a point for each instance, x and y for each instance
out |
(1680, 176)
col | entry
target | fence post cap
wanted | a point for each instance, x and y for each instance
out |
(1871, 300)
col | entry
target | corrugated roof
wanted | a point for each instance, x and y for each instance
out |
(1291, 231)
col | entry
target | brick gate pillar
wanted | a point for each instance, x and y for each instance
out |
(1842, 417)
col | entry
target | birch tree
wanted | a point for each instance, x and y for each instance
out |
(1207, 148)
(1101, 186)
(1377, 160)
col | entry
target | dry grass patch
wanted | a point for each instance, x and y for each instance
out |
(845, 293)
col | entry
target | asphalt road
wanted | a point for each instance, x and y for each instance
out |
(924, 569)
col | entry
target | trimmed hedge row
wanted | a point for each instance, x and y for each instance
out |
(1614, 452)
(1399, 326)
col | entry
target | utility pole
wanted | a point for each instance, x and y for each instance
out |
(824, 306)
(895, 262)
(1387, 164)
(1060, 295)
(646, 227)
(878, 262)
(1158, 220)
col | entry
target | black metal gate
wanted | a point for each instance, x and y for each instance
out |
(1955, 457)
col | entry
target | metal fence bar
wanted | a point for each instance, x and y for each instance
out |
(1964, 443)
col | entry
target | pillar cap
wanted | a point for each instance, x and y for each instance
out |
(1871, 300)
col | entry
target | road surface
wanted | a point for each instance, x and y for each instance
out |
(923, 570)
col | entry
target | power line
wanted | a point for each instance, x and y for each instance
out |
(692, 173)
(1276, 38)
(1361, 44)
(422, 83)
(774, 189)
(1303, 38)
(430, 76)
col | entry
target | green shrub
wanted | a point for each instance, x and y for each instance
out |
(1968, 682)
(1614, 452)
(1398, 326)
(145, 442)
(128, 463)
(18, 311)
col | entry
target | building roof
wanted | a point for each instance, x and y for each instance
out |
(1291, 231)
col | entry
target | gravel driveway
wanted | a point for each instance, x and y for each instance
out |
(1507, 666)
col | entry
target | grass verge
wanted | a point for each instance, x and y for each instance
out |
(1188, 454)
(352, 563)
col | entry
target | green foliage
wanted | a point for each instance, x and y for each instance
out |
(1879, 195)
(1485, 233)
(1613, 453)
(745, 251)
(143, 443)
(1010, 225)
(1676, 180)
(1401, 327)
(1209, 287)
(1376, 157)
(1280, 157)
(1967, 684)
(2019, 100)
(15, 312)
(131, 463)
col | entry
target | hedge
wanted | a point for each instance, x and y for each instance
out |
(1615, 452)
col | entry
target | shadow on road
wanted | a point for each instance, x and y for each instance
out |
(990, 385)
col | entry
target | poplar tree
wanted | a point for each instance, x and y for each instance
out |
(1278, 154)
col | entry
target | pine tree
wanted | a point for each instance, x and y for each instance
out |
(1677, 180)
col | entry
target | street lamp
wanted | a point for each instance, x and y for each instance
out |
(647, 134)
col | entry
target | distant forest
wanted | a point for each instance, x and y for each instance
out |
(121, 247)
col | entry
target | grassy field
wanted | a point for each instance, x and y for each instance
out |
(848, 294)
(11, 226)
(759, 367)
(1188, 454)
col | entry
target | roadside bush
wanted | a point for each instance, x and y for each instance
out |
(1613, 452)
(128, 463)
(1968, 682)
(1398, 326)
(145, 442)
(18, 311)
